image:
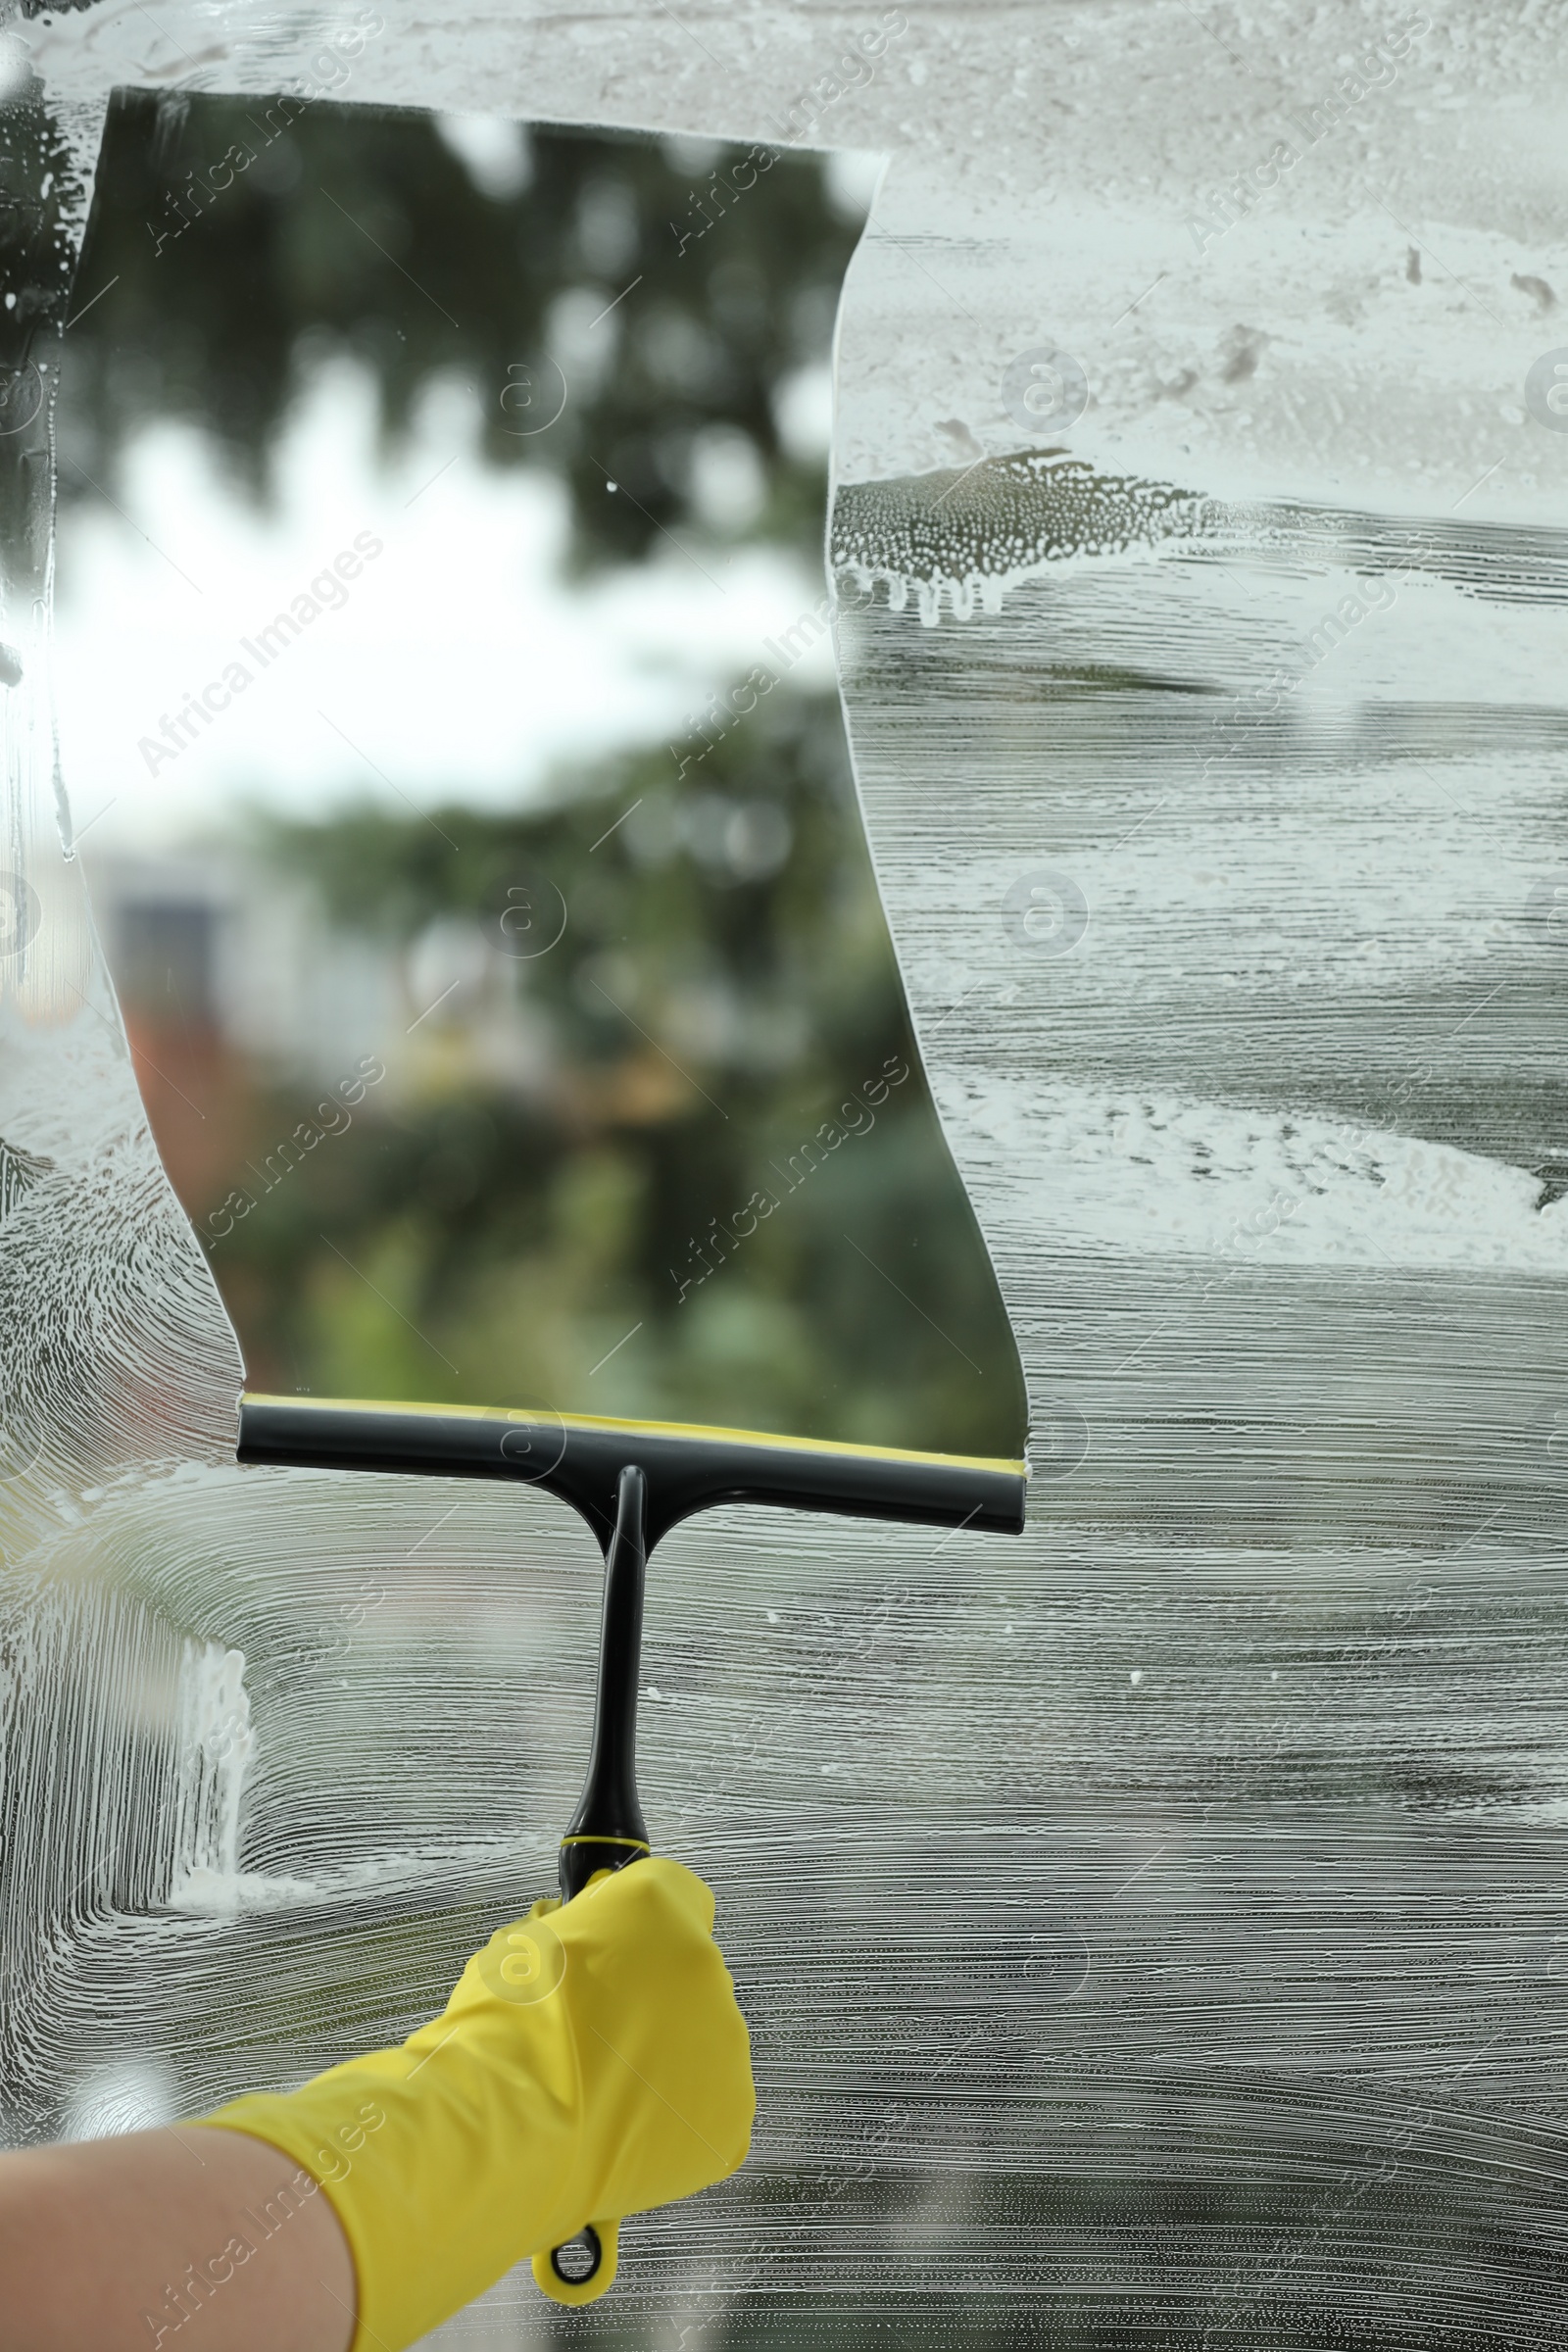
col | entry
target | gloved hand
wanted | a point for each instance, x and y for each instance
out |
(591, 2063)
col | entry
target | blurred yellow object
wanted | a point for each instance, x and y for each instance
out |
(592, 2062)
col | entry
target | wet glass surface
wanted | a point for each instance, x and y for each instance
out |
(1154, 1930)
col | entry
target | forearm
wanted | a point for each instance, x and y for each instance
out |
(196, 2240)
(591, 2063)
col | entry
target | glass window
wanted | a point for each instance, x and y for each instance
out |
(1151, 1925)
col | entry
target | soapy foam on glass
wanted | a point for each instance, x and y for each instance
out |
(1264, 1712)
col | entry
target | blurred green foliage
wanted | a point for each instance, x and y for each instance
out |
(705, 1038)
(358, 230)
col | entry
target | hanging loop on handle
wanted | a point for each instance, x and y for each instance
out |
(580, 2271)
(607, 1830)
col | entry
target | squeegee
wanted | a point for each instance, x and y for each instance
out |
(778, 1233)
(632, 1481)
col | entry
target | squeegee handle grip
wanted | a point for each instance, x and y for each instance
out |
(607, 1830)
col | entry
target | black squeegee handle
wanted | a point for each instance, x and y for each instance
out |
(607, 1830)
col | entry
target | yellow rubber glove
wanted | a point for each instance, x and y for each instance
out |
(591, 2063)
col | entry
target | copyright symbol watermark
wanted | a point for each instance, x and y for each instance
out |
(532, 397)
(523, 1964)
(534, 1444)
(532, 920)
(1045, 912)
(21, 398)
(1546, 390)
(21, 914)
(1058, 1965)
(21, 1442)
(1045, 390)
(1546, 913)
(1058, 1440)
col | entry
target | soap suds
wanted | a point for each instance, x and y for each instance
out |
(1312, 1852)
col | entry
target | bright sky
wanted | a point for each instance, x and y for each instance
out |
(458, 664)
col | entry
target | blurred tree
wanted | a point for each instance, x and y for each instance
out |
(675, 294)
(713, 1018)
